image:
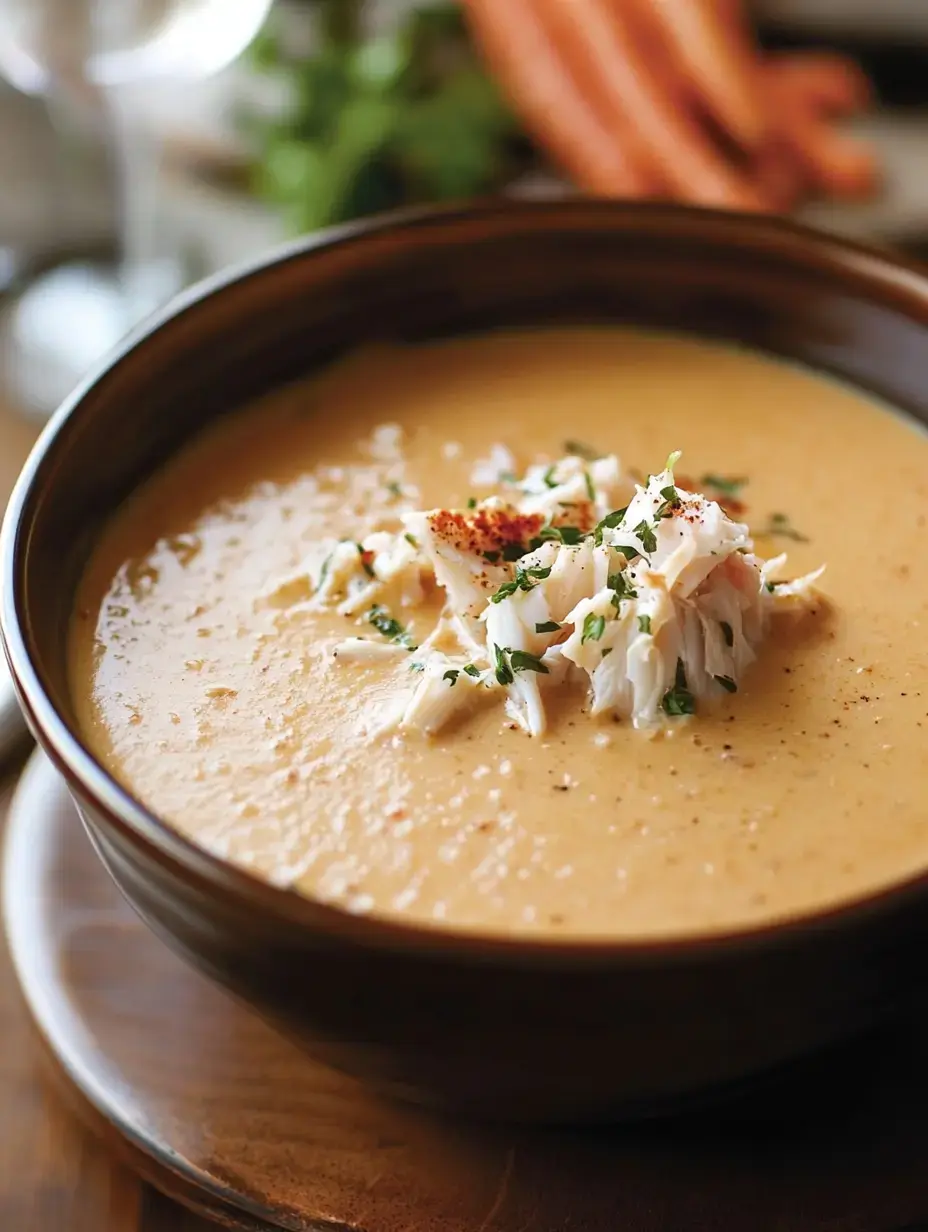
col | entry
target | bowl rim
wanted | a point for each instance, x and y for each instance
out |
(873, 268)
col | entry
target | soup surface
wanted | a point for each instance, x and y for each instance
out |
(223, 713)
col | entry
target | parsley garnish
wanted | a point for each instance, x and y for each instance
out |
(644, 624)
(569, 535)
(590, 490)
(727, 633)
(491, 558)
(727, 683)
(678, 700)
(506, 591)
(522, 661)
(627, 552)
(517, 661)
(607, 651)
(593, 628)
(513, 551)
(647, 536)
(451, 675)
(779, 526)
(578, 449)
(548, 476)
(411, 539)
(547, 626)
(524, 580)
(503, 670)
(609, 522)
(471, 670)
(394, 488)
(673, 459)
(622, 586)
(391, 628)
(722, 484)
(417, 667)
(666, 507)
(471, 502)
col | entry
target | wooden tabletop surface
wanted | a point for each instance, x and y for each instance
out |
(54, 1177)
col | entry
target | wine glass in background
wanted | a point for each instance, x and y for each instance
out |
(95, 61)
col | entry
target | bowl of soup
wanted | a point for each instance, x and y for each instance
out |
(408, 614)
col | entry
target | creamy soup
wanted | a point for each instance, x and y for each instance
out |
(204, 678)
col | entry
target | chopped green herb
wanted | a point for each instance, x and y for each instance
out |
(607, 651)
(394, 488)
(627, 552)
(411, 539)
(471, 670)
(593, 628)
(622, 588)
(491, 558)
(548, 476)
(647, 536)
(503, 670)
(620, 583)
(590, 490)
(644, 624)
(513, 551)
(547, 626)
(673, 459)
(506, 591)
(609, 522)
(451, 675)
(727, 632)
(522, 661)
(544, 535)
(507, 477)
(724, 485)
(779, 525)
(471, 502)
(391, 628)
(666, 507)
(570, 535)
(524, 580)
(415, 666)
(366, 560)
(679, 700)
(324, 571)
(578, 449)
(727, 683)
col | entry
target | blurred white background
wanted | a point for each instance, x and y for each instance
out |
(217, 225)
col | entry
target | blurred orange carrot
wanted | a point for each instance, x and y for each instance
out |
(543, 90)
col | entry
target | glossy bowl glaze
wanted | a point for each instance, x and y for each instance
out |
(528, 1029)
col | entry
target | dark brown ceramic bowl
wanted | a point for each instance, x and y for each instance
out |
(501, 1027)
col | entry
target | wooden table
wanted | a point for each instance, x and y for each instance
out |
(54, 1177)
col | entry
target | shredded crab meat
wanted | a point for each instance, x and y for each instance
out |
(658, 606)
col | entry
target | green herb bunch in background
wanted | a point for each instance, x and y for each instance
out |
(376, 122)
